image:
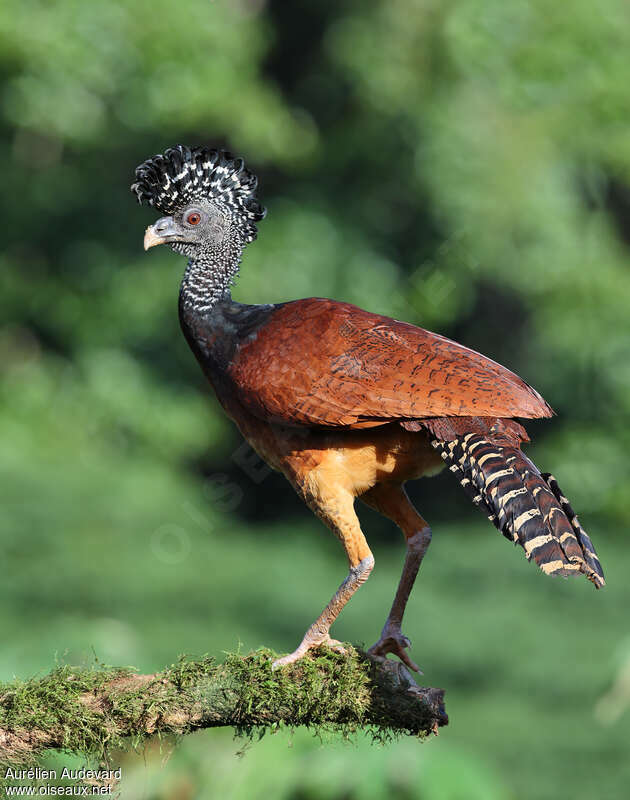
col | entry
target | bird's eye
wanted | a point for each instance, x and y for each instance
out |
(194, 218)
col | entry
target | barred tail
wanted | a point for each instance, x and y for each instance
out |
(526, 506)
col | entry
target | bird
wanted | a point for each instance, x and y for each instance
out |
(351, 404)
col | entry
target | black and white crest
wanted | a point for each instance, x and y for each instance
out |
(180, 175)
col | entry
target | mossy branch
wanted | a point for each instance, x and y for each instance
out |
(91, 711)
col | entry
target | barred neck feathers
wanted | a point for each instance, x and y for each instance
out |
(209, 277)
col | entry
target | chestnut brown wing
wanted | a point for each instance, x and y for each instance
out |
(325, 363)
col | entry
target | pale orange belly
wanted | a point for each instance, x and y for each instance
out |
(353, 459)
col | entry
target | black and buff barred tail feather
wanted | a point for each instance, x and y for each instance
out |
(590, 556)
(525, 505)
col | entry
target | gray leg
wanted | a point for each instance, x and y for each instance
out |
(392, 639)
(335, 506)
(391, 500)
(318, 634)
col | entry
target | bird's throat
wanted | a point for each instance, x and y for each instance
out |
(208, 280)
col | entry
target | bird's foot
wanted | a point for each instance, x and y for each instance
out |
(309, 642)
(393, 641)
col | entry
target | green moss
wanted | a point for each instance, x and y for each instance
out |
(324, 691)
(93, 711)
(185, 674)
(51, 703)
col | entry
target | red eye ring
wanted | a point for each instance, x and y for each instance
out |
(194, 218)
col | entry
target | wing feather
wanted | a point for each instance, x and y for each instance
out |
(325, 363)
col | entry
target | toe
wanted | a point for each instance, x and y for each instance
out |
(335, 645)
(290, 659)
(395, 644)
(332, 644)
(407, 661)
(375, 652)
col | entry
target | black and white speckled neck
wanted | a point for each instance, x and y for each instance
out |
(209, 276)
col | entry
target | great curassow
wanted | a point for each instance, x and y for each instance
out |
(351, 404)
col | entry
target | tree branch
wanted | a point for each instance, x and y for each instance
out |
(92, 710)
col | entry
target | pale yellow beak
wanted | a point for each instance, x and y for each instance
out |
(161, 232)
(151, 238)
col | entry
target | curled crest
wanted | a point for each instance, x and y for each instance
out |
(173, 179)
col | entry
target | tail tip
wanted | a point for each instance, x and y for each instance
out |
(598, 581)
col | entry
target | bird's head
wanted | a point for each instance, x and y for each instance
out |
(207, 197)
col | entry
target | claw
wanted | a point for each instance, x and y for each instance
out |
(394, 641)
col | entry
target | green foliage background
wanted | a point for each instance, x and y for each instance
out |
(463, 165)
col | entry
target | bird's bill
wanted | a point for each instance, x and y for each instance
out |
(151, 238)
(161, 232)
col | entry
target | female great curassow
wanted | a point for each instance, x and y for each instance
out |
(350, 404)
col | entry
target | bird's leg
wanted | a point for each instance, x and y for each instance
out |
(392, 501)
(318, 634)
(336, 508)
(392, 638)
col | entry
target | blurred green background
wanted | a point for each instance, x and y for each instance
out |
(462, 165)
